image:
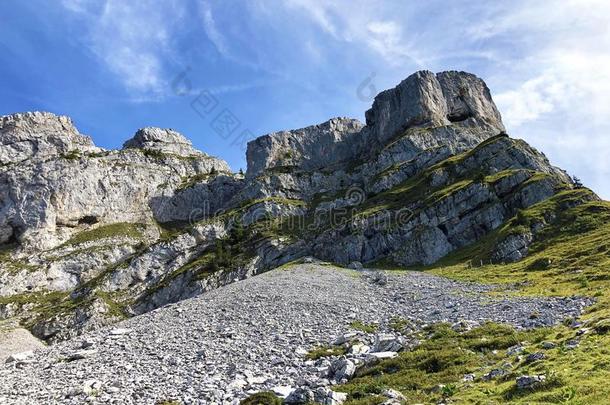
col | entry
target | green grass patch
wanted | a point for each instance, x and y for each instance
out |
(443, 358)
(326, 351)
(119, 229)
(262, 398)
(364, 327)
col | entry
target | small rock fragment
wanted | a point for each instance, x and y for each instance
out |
(386, 342)
(120, 331)
(355, 266)
(529, 381)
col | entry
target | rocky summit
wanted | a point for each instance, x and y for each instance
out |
(424, 256)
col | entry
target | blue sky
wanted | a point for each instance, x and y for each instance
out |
(266, 65)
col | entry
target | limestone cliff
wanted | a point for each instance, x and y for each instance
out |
(92, 235)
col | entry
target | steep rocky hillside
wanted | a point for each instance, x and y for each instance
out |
(431, 181)
(91, 235)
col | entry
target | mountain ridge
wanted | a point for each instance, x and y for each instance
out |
(122, 232)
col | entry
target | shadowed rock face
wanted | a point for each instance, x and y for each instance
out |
(457, 100)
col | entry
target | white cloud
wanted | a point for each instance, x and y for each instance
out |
(76, 6)
(564, 68)
(529, 101)
(133, 40)
(360, 23)
(321, 13)
(214, 35)
(386, 38)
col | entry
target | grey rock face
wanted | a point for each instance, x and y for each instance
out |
(66, 184)
(334, 141)
(513, 248)
(433, 100)
(456, 100)
(426, 162)
(162, 140)
(201, 200)
(40, 135)
(430, 230)
(416, 101)
(469, 101)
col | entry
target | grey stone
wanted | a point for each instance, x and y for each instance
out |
(529, 381)
(342, 369)
(514, 350)
(355, 266)
(19, 357)
(548, 345)
(385, 342)
(300, 396)
(468, 377)
(493, 374)
(532, 357)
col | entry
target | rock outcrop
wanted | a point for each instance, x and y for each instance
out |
(335, 141)
(426, 99)
(55, 182)
(39, 135)
(162, 140)
(449, 105)
(90, 236)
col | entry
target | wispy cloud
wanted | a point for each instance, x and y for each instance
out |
(562, 68)
(214, 35)
(133, 39)
(360, 23)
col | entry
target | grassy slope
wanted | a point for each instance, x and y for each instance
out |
(571, 256)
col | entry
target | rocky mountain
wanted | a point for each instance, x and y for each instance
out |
(126, 231)
(92, 236)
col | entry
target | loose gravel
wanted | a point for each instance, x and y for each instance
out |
(253, 335)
